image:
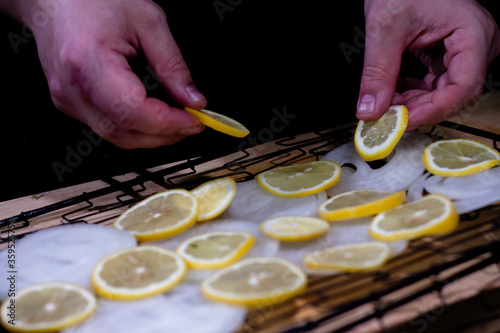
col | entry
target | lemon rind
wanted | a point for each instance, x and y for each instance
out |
(370, 208)
(443, 224)
(158, 234)
(312, 190)
(214, 264)
(293, 237)
(202, 217)
(379, 262)
(380, 152)
(56, 325)
(255, 300)
(428, 161)
(218, 126)
(109, 292)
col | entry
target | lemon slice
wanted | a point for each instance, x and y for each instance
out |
(219, 122)
(432, 214)
(359, 203)
(459, 157)
(350, 257)
(300, 179)
(256, 282)
(376, 139)
(47, 307)
(294, 228)
(137, 272)
(214, 197)
(161, 215)
(215, 249)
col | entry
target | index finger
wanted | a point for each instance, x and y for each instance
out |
(120, 95)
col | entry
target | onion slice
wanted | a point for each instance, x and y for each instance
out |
(253, 203)
(416, 189)
(468, 193)
(396, 175)
(183, 309)
(63, 253)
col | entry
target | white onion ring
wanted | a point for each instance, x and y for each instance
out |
(63, 253)
(183, 309)
(398, 174)
(416, 189)
(468, 193)
(253, 203)
(477, 202)
(477, 184)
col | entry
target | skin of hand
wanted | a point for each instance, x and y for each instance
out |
(84, 47)
(455, 39)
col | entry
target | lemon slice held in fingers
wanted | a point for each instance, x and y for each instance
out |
(219, 122)
(376, 139)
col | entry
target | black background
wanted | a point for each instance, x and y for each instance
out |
(247, 61)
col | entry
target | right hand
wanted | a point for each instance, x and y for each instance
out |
(84, 49)
(454, 39)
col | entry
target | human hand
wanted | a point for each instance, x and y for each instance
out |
(455, 39)
(84, 48)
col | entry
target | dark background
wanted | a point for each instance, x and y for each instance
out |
(251, 59)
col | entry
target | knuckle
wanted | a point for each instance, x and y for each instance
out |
(154, 16)
(172, 65)
(73, 59)
(375, 74)
(125, 120)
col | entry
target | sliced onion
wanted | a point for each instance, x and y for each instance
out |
(416, 189)
(340, 233)
(253, 203)
(477, 184)
(476, 202)
(397, 174)
(64, 253)
(468, 193)
(183, 309)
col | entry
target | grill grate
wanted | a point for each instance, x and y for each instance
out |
(435, 269)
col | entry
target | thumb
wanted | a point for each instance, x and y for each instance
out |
(163, 54)
(381, 66)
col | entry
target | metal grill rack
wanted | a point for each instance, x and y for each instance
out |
(419, 287)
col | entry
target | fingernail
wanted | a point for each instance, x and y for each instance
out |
(366, 104)
(193, 93)
(191, 130)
